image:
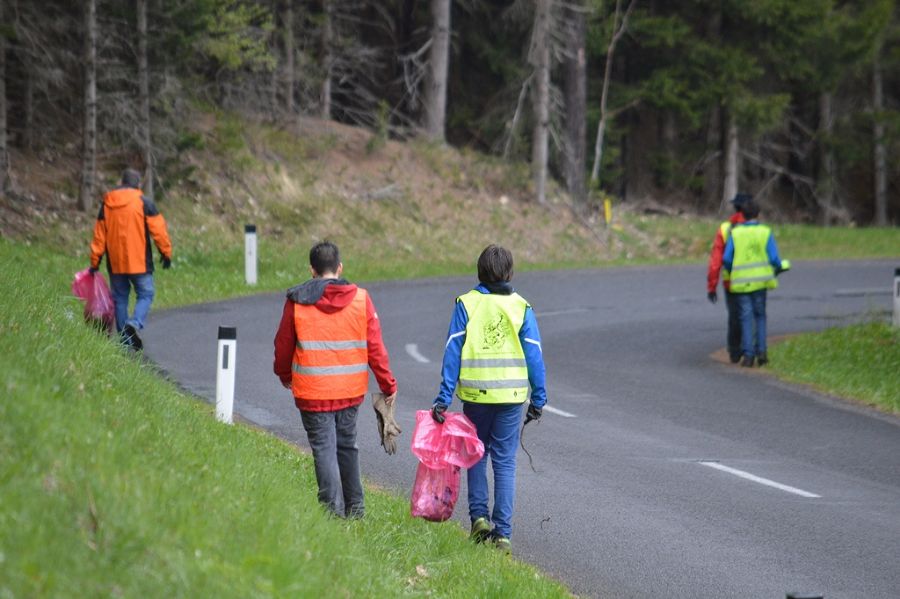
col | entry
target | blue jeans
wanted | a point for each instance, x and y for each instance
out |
(332, 438)
(752, 310)
(498, 427)
(734, 325)
(143, 289)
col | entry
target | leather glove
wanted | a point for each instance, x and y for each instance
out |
(166, 262)
(533, 413)
(437, 412)
(93, 270)
(388, 429)
(712, 296)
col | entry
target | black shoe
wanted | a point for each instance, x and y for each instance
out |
(747, 362)
(130, 338)
(762, 359)
(735, 358)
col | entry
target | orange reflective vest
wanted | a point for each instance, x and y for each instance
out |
(331, 359)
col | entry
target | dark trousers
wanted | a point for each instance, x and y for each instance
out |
(332, 438)
(734, 325)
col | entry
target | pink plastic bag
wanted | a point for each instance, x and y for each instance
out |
(98, 303)
(455, 442)
(435, 492)
(442, 450)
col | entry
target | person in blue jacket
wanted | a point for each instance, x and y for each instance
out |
(492, 359)
(752, 261)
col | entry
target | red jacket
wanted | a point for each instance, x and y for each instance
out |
(330, 296)
(715, 257)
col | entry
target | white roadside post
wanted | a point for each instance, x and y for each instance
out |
(897, 297)
(250, 254)
(225, 367)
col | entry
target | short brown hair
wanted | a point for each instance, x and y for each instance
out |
(495, 265)
(324, 257)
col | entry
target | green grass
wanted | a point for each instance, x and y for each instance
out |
(860, 362)
(114, 483)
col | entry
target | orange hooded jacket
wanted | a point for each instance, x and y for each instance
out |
(123, 229)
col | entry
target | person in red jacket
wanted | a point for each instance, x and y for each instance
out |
(712, 277)
(328, 339)
(125, 225)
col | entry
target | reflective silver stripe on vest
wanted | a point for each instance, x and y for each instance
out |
(494, 363)
(504, 384)
(750, 265)
(329, 370)
(752, 279)
(310, 345)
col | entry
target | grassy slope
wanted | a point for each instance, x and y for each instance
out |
(113, 483)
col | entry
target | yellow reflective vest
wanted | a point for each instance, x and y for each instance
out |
(492, 361)
(750, 269)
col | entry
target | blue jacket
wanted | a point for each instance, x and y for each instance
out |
(771, 250)
(529, 337)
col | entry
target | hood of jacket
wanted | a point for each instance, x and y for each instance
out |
(737, 218)
(328, 295)
(118, 200)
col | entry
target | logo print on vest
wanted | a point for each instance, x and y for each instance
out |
(493, 335)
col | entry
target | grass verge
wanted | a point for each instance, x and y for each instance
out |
(113, 483)
(860, 362)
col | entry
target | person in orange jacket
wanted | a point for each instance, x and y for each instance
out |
(125, 224)
(328, 339)
(712, 277)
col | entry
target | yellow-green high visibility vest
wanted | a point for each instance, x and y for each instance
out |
(492, 361)
(750, 269)
(725, 229)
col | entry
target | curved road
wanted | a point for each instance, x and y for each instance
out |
(663, 473)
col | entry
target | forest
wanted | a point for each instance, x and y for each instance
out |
(682, 103)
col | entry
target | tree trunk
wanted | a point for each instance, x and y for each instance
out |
(144, 97)
(540, 56)
(438, 67)
(288, 39)
(731, 162)
(4, 150)
(576, 102)
(89, 147)
(328, 59)
(880, 154)
(826, 158)
(28, 108)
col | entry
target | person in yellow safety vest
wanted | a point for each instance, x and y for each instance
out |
(492, 357)
(733, 338)
(752, 261)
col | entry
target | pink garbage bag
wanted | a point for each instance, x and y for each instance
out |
(435, 492)
(454, 442)
(98, 303)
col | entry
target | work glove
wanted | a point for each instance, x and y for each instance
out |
(533, 413)
(712, 296)
(437, 412)
(388, 429)
(93, 270)
(166, 262)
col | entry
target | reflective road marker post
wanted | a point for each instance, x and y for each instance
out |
(897, 297)
(225, 367)
(250, 254)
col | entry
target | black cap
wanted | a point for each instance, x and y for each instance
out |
(740, 199)
(131, 178)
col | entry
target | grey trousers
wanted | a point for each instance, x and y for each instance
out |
(332, 438)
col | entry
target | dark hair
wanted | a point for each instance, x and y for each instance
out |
(324, 257)
(740, 199)
(495, 265)
(750, 210)
(131, 178)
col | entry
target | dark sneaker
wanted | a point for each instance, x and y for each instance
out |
(501, 544)
(735, 358)
(130, 338)
(481, 529)
(747, 362)
(762, 359)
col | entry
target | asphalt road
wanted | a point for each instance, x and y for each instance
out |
(664, 473)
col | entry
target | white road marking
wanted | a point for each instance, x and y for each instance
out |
(413, 350)
(559, 412)
(760, 480)
(862, 292)
(561, 312)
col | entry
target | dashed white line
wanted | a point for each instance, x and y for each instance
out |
(558, 412)
(562, 312)
(413, 350)
(760, 480)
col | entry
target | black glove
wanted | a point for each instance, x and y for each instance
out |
(166, 262)
(93, 270)
(712, 296)
(437, 412)
(533, 413)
